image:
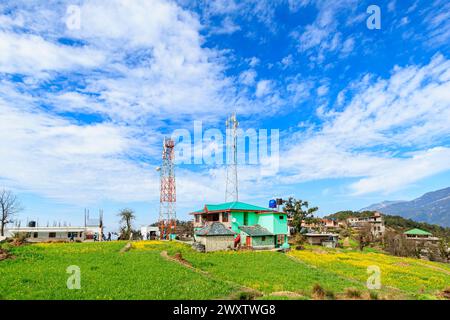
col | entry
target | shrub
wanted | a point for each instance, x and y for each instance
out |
(318, 291)
(373, 295)
(446, 293)
(330, 295)
(353, 293)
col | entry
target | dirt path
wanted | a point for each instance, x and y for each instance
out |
(241, 290)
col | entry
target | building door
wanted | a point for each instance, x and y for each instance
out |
(280, 239)
(248, 241)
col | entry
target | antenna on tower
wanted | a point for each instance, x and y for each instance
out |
(231, 185)
(167, 203)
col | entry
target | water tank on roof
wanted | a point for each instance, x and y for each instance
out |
(32, 224)
(272, 203)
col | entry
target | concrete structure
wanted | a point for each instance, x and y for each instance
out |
(149, 232)
(322, 239)
(40, 234)
(233, 215)
(92, 230)
(215, 236)
(327, 224)
(376, 223)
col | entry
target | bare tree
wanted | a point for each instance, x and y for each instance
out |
(9, 206)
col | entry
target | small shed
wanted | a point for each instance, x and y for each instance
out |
(215, 236)
(322, 239)
(257, 237)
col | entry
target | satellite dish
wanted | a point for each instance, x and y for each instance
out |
(158, 168)
(233, 220)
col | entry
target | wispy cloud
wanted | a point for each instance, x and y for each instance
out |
(409, 111)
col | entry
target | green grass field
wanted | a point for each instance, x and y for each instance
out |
(150, 271)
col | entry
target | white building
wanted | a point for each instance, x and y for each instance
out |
(92, 229)
(376, 223)
(149, 232)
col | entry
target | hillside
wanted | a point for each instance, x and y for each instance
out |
(144, 271)
(432, 207)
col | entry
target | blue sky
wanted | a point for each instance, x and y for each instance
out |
(363, 115)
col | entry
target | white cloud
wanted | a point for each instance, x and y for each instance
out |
(347, 46)
(254, 61)
(322, 90)
(227, 27)
(407, 112)
(61, 160)
(247, 77)
(31, 54)
(263, 87)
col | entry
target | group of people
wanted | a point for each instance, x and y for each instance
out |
(96, 238)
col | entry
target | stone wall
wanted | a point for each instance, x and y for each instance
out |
(216, 243)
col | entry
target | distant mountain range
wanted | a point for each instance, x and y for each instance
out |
(432, 207)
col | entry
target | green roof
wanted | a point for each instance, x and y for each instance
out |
(418, 232)
(236, 205)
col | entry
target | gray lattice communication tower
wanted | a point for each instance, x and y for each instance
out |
(231, 186)
(168, 198)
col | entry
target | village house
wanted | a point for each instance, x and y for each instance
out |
(376, 223)
(253, 226)
(420, 236)
(327, 224)
(329, 240)
(93, 228)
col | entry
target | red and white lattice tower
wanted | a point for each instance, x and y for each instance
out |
(168, 198)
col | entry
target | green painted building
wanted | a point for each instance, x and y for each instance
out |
(256, 227)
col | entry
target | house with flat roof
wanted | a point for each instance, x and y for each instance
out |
(376, 223)
(254, 227)
(33, 232)
(322, 239)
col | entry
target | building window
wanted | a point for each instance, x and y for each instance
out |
(224, 216)
(281, 217)
(245, 218)
(197, 218)
(263, 238)
(35, 235)
(52, 234)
